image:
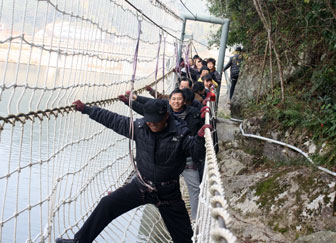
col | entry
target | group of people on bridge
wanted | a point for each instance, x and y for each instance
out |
(204, 71)
(169, 142)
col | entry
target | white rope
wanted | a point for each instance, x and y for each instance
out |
(282, 144)
(213, 218)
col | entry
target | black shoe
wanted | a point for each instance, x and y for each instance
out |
(60, 240)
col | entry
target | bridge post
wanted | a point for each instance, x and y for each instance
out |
(222, 48)
(182, 38)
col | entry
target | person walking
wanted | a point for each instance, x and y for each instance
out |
(162, 146)
(235, 63)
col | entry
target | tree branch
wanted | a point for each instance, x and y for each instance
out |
(331, 8)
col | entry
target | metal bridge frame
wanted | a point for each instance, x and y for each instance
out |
(225, 29)
(208, 19)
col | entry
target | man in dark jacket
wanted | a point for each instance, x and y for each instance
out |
(234, 63)
(175, 106)
(191, 116)
(162, 146)
(199, 89)
(190, 99)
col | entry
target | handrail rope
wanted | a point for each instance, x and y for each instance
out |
(80, 85)
(283, 144)
(218, 202)
(131, 128)
(159, 26)
(61, 110)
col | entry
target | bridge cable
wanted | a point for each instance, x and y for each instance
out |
(148, 18)
(188, 9)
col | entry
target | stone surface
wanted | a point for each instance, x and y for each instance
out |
(278, 153)
(227, 130)
(273, 203)
(318, 237)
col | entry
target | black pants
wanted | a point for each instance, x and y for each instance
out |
(234, 81)
(167, 198)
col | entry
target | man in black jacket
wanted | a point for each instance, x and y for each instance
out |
(178, 108)
(162, 146)
(235, 63)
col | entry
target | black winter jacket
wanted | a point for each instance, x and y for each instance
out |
(234, 63)
(192, 118)
(160, 156)
(216, 76)
(197, 104)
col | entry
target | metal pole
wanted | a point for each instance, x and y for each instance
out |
(221, 56)
(182, 38)
(222, 48)
(204, 18)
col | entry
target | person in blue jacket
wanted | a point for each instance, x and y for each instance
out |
(162, 146)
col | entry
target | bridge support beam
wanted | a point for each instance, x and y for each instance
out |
(213, 20)
(225, 30)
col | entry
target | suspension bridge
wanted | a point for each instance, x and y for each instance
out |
(57, 164)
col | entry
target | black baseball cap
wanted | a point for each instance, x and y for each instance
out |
(155, 110)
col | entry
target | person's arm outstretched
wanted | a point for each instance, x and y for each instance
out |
(118, 123)
(136, 106)
(228, 64)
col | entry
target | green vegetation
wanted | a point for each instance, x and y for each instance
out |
(300, 83)
(276, 192)
(269, 189)
(313, 118)
(223, 115)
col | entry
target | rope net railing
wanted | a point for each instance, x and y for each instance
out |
(213, 219)
(56, 163)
